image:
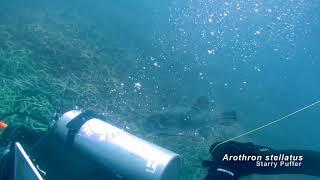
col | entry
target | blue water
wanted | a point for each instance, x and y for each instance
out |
(260, 58)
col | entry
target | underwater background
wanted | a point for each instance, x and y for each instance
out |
(134, 59)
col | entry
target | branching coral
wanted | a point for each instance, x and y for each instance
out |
(49, 63)
(49, 66)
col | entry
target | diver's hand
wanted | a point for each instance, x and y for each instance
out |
(222, 168)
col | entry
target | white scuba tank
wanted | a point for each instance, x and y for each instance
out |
(116, 149)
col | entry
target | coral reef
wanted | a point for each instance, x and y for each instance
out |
(48, 64)
(52, 62)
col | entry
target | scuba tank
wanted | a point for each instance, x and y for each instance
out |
(116, 149)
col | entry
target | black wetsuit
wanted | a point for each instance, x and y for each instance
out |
(219, 168)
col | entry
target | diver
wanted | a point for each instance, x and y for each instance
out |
(82, 145)
(288, 161)
(218, 169)
(54, 157)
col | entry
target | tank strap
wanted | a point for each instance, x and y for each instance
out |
(76, 123)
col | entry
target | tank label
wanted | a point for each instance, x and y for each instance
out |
(151, 166)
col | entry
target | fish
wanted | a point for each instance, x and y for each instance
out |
(197, 120)
(200, 104)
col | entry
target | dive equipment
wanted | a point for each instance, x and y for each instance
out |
(24, 169)
(116, 149)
